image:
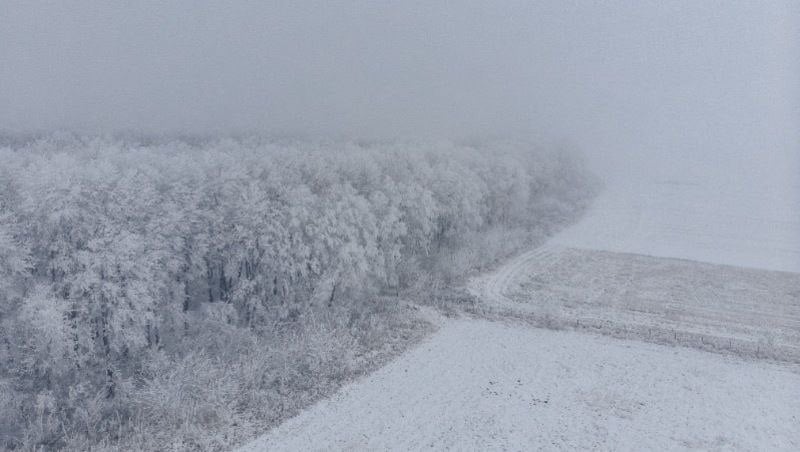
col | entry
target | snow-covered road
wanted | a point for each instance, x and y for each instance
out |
(479, 385)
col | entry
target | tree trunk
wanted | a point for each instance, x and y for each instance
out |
(333, 294)
(209, 280)
(110, 389)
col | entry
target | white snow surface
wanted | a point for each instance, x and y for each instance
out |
(749, 312)
(743, 219)
(479, 385)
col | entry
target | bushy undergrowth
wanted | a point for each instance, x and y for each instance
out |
(185, 294)
(229, 386)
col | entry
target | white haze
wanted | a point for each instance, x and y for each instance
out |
(188, 295)
(638, 85)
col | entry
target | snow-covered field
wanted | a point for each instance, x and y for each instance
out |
(480, 385)
(685, 295)
(616, 271)
(746, 220)
(714, 307)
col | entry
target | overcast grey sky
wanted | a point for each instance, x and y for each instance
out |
(620, 79)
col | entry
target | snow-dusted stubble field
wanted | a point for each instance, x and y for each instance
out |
(709, 306)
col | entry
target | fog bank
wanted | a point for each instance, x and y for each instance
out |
(641, 86)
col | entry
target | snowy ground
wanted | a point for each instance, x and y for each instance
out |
(486, 385)
(505, 385)
(709, 306)
(616, 271)
(730, 221)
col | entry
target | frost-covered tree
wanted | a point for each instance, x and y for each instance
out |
(14, 261)
(117, 256)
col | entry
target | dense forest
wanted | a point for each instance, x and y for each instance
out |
(137, 272)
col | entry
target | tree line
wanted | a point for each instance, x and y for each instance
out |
(113, 248)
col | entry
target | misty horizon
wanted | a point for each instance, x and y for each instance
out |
(620, 80)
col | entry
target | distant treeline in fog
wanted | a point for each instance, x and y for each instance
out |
(117, 256)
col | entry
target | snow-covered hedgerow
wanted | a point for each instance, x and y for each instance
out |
(118, 255)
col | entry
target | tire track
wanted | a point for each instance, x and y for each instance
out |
(492, 287)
